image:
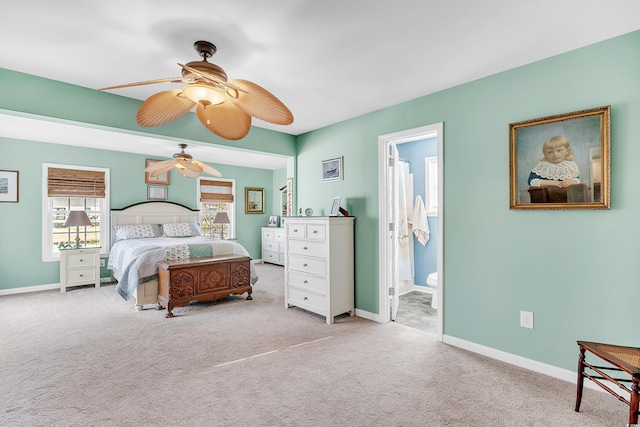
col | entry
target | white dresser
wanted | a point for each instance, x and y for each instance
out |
(319, 270)
(79, 267)
(273, 245)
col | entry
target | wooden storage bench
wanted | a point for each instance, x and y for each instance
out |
(202, 279)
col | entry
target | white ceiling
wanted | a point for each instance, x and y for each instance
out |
(327, 60)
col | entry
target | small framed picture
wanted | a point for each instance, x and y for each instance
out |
(156, 192)
(254, 200)
(332, 169)
(273, 221)
(163, 178)
(335, 206)
(9, 186)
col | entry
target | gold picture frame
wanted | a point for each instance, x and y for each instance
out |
(253, 200)
(561, 161)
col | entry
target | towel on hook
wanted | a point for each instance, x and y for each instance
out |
(419, 219)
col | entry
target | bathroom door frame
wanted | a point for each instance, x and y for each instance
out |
(384, 255)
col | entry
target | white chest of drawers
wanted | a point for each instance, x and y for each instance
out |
(79, 267)
(319, 270)
(273, 245)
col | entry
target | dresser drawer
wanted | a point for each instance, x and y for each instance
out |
(296, 231)
(308, 300)
(81, 275)
(303, 247)
(271, 245)
(80, 259)
(316, 232)
(270, 256)
(308, 282)
(279, 235)
(307, 265)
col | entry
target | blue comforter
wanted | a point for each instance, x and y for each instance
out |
(135, 261)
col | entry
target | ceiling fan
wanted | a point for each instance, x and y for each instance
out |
(225, 108)
(184, 164)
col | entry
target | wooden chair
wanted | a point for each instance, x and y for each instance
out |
(621, 359)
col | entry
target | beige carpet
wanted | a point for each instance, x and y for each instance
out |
(88, 358)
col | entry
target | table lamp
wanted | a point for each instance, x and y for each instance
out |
(221, 218)
(77, 219)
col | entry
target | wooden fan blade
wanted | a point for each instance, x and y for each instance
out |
(163, 107)
(150, 82)
(207, 169)
(188, 172)
(260, 103)
(225, 120)
(189, 165)
(156, 169)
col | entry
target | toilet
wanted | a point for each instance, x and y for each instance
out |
(432, 282)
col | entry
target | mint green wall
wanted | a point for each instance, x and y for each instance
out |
(576, 270)
(21, 224)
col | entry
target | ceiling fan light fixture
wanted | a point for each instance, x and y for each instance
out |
(203, 94)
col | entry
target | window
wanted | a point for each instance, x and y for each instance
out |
(69, 188)
(216, 196)
(431, 185)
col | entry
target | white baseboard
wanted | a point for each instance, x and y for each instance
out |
(28, 289)
(523, 362)
(369, 316)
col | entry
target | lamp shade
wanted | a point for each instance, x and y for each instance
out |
(221, 218)
(77, 219)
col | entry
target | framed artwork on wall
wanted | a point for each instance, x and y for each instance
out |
(332, 169)
(561, 161)
(9, 186)
(156, 192)
(163, 178)
(253, 200)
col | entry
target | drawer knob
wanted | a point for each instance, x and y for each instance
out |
(305, 265)
(315, 231)
(81, 260)
(295, 230)
(305, 282)
(305, 248)
(82, 275)
(305, 298)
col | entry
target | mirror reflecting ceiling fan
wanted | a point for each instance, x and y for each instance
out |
(225, 108)
(184, 163)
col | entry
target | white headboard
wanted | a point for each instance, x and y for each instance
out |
(152, 213)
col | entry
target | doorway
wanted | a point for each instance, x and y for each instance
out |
(388, 236)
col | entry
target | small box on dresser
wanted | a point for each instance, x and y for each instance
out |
(79, 266)
(273, 245)
(319, 268)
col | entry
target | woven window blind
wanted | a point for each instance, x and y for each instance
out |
(75, 183)
(216, 191)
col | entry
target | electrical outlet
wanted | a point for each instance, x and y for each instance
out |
(526, 319)
(102, 260)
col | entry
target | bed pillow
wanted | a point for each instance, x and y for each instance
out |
(137, 231)
(181, 229)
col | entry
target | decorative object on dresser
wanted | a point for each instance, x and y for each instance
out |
(273, 245)
(79, 267)
(319, 269)
(78, 219)
(221, 218)
(202, 279)
(273, 221)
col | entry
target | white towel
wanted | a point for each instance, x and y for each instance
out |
(420, 224)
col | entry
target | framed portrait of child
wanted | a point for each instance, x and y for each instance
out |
(561, 161)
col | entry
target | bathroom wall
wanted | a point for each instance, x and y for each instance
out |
(425, 257)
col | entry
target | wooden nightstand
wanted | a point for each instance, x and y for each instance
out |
(79, 267)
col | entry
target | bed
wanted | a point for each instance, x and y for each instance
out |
(150, 232)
